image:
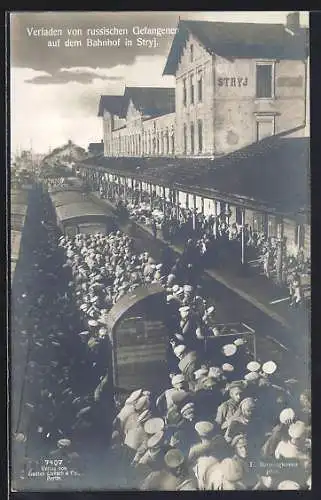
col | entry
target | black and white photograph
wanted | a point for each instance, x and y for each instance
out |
(159, 266)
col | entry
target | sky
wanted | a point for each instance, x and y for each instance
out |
(55, 91)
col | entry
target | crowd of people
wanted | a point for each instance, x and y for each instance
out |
(216, 237)
(223, 412)
(224, 422)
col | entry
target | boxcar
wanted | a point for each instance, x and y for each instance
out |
(83, 217)
(139, 340)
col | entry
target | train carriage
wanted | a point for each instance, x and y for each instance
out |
(139, 340)
(83, 217)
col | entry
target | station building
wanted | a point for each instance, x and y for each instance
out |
(232, 137)
(236, 83)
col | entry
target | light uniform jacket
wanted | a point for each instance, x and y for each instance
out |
(225, 411)
(188, 364)
(135, 437)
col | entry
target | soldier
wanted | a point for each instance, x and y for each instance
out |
(164, 401)
(153, 458)
(227, 409)
(208, 445)
(188, 364)
(176, 464)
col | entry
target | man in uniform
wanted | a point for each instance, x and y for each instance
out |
(227, 409)
(164, 401)
(209, 444)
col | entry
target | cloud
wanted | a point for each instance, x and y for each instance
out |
(49, 112)
(65, 76)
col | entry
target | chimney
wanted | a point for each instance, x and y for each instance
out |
(293, 21)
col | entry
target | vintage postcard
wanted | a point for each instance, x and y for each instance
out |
(160, 251)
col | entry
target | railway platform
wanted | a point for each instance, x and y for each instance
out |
(254, 288)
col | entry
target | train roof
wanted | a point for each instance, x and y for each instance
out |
(77, 210)
(128, 301)
(63, 197)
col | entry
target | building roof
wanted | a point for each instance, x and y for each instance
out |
(151, 101)
(96, 147)
(271, 175)
(60, 149)
(239, 40)
(112, 103)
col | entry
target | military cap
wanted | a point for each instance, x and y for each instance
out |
(239, 342)
(253, 366)
(174, 458)
(229, 349)
(200, 372)
(134, 396)
(288, 485)
(210, 309)
(251, 376)
(227, 367)
(159, 266)
(237, 383)
(269, 367)
(178, 379)
(154, 425)
(155, 440)
(92, 322)
(297, 429)
(83, 307)
(287, 414)
(187, 288)
(204, 428)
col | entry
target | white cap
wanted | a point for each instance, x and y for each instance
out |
(251, 376)
(210, 310)
(178, 379)
(178, 350)
(288, 485)
(227, 367)
(286, 415)
(297, 429)
(229, 349)
(199, 373)
(269, 367)
(239, 342)
(253, 366)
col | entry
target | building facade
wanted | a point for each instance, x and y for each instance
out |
(236, 83)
